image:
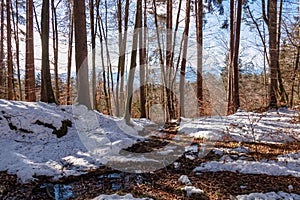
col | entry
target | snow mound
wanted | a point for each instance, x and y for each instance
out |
(269, 195)
(115, 196)
(35, 139)
(286, 165)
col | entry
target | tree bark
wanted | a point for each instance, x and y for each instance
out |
(236, 98)
(29, 60)
(137, 28)
(15, 18)
(142, 53)
(70, 51)
(184, 55)
(233, 72)
(273, 51)
(47, 94)
(81, 53)
(169, 60)
(199, 38)
(2, 64)
(10, 80)
(55, 49)
(93, 39)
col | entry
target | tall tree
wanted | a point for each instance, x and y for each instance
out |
(2, 65)
(121, 61)
(81, 53)
(70, 51)
(143, 62)
(271, 21)
(283, 97)
(47, 94)
(184, 56)
(29, 59)
(199, 38)
(55, 46)
(15, 19)
(233, 72)
(93, 38)
(169, 60)
(137, 28)
(10, 79)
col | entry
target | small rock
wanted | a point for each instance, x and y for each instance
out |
(192, 190)
(290, 187)
(185, 180)
(177, 165)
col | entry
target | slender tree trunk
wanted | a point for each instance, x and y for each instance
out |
(29, 60)
(145, 29)
(15, 19)
(184, 55)
(273, 51)
(142, 53)
(81, 53)
(231, 55)
(281, 92)
(169, 60)
(70, 51)
(106, 72)
(236, 98)
(37, 21)
(161, 57)
(93, 38)
(122, 56)
(233, 72)
(55, 48)
(104, 77)
(10, 80)
(2, 64)
(199, 38)
(47, 94)
(137, 28)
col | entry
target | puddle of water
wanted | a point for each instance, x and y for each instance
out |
(62, 192)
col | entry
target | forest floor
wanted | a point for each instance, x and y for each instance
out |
(255, 155)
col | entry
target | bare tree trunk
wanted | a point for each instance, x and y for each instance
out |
(281, 92)
(137, 28)
(233, 72)
(184, 55)
(145, 59)
(199, 38)
(161, 57)
(10, 84)
(169, 61)
(2, 64)
(231, 55)
(142, 53)
(106, 72)
(16, 37)
(55, 48)
(93, 38)
(121, 61)
(47, 94)
(81, 53)
(236, 98)
(70, 50)
(29, 60)
(273, 51)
